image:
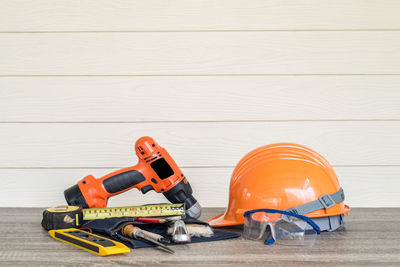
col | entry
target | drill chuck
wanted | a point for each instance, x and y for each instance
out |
(182, 193)
(194, 211)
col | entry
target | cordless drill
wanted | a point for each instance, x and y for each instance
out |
(156, 170)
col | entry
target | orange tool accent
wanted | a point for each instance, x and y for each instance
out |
(156, 170)
(279, 176)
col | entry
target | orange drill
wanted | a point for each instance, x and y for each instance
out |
(156, 170)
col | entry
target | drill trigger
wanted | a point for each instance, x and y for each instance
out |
(146, 188)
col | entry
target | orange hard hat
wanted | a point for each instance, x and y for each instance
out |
(284, 176)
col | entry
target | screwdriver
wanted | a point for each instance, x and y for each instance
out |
(136, 232)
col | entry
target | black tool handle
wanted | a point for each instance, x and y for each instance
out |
(122, 181)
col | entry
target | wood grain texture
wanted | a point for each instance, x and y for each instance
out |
(193, 144)
(180, 15)
(138, 99)
(205, 53)
(363, 186)
(370, 239)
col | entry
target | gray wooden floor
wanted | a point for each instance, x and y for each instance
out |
(371, 238)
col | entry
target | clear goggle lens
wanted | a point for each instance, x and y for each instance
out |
(280, 227)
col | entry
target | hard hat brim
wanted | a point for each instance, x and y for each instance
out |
(220, 221)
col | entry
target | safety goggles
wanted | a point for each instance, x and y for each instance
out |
(280, 226)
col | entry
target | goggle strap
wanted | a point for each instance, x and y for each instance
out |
(269, 240)
(324, 202)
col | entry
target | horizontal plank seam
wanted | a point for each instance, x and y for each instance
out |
(193, 75)
(197, 121)
(183, 167)
(201, 31)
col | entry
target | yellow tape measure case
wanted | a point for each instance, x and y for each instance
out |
(62, 217)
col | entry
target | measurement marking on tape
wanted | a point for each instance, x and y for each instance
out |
(135, 211)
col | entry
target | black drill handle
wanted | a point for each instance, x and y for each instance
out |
(117, 183)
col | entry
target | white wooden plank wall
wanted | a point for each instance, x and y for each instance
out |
(80, 81)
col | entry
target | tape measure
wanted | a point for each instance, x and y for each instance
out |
(156, 210)
(63, 217)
